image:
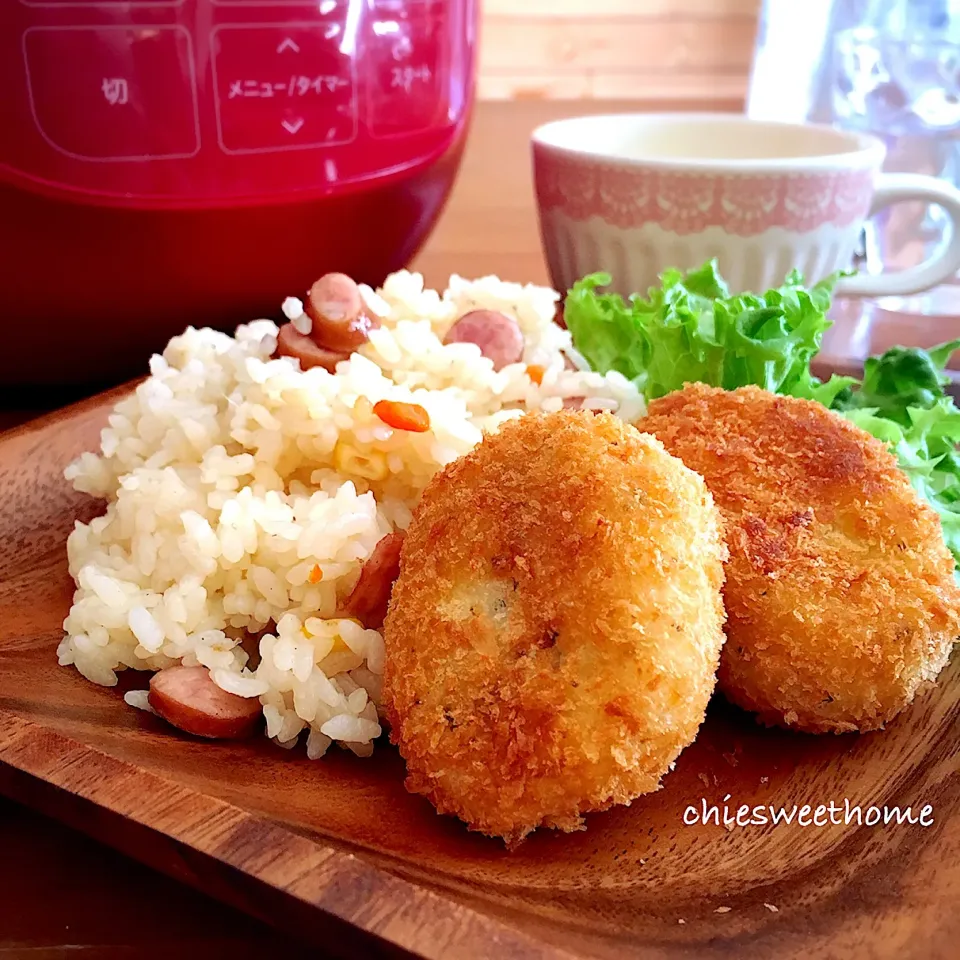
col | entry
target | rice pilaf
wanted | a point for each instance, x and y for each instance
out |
(244, 494)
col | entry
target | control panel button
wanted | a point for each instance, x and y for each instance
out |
(406, 49)
(113, 93)
(284, 87)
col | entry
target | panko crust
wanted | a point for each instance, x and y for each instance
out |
(554, 634)
(840, 592)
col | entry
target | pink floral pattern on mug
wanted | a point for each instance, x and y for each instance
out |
(680, 202)
(620, 195)
(742, 204)
(747, 204)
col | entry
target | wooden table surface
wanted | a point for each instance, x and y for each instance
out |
(61, 893)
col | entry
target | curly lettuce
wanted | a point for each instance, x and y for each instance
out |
(691, 328)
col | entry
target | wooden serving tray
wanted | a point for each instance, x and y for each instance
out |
(338, 853)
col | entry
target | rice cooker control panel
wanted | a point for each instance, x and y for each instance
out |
(202, 102)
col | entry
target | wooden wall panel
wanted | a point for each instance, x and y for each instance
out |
(609, 49)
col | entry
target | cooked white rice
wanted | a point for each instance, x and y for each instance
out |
(229, 477)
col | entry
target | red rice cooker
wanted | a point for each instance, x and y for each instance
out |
(179, 162)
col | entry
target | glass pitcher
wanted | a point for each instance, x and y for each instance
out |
(886, 67)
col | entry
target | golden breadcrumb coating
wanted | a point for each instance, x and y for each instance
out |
(840, 593)
(553, 637)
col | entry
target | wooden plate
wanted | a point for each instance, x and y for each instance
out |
(337, 852)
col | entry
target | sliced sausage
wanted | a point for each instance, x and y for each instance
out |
(368, 601)
(292, 343)
(336, 308)
(497, 335)
(187, 698)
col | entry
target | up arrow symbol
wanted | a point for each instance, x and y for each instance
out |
(287, 44)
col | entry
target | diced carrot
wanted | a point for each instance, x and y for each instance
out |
(316, 574)
(403, 416)
(535, 372)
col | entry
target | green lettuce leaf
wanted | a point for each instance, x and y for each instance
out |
(691, 329)
(901, 379)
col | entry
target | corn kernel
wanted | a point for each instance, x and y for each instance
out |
(369, 466)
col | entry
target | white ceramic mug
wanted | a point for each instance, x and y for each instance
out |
(635, 194)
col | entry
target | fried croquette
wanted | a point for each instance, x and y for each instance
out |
(840, 592)
(554, 634)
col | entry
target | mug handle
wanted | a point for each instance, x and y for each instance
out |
(893, 188)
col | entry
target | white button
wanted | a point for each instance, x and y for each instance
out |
(113, 93)
(283, 87)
